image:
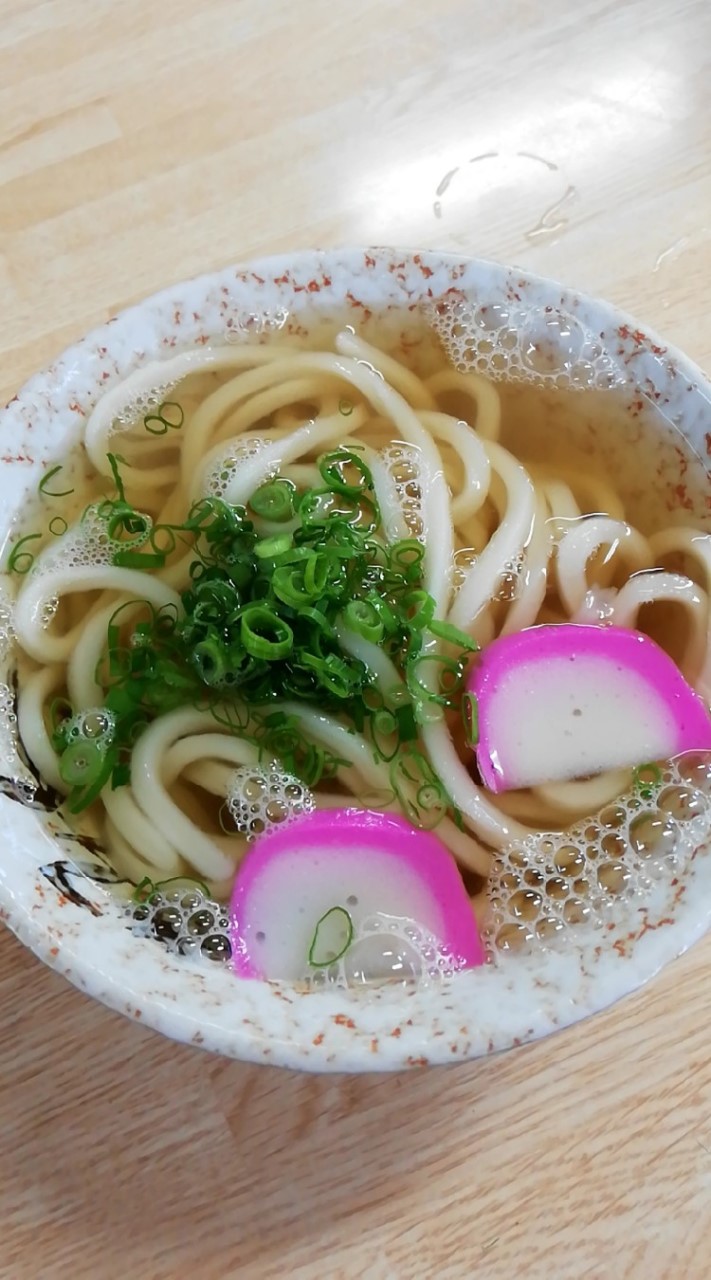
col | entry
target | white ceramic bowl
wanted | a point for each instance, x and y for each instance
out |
(476, 1012)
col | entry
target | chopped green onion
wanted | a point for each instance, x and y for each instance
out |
(168, 415)
(57, 526)
(21, 561)
(274, 500)
(445, 631)
(289, 587)
(384, 732)
(209, 659)
(408, 553)
(273, 548)
(362, 618)
(181, 882)
(81, 762)
(264, 634)
(645, 777)
(113, 460)
(144, 890)
(421, 608)
(430, 669)
(345, 407)
(158, 532)
(258, 623)
(407, 723)
(335, 468)
(470, 713)
(138, 560)
(411, 769)
(49, 493)
(332, 937)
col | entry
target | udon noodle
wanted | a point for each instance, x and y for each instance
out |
(505, 545)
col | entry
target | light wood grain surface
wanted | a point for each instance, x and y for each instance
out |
(141, 142)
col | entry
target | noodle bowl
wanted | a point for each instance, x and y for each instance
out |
(513, 527)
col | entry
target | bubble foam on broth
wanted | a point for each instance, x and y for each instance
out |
(386, 949)
(402, 465)
(224, 469)
(139, 405)
(512, 342)
(554, 886)
(182, 916)
(262, 797)
(570, 400)
(86, 545)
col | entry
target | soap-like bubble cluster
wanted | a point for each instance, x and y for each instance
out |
(7, 625)
(10, 763)
(49, 609)
(388, 950)
(509, 341)
(139, 405)
(240, 324)
(97, 725)
(9, 760)
(511, 584)
(402, 463)
(8, 727)
(185, 919)
(223, 469)
(262, 797)
(85, 545)
(545, 890)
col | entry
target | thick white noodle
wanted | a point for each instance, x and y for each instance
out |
(479, 813)
(395, 526)
(436, 518)
(278, 453)
(533, 575)
(32, 695)
(581, 540)
(560, 499)
(127, 861)
(372, 657)
(473, 457)
(504, 547)
(160, 375)
(140, 831)
(697, 546)
(407, 384)
(154, 478)
(340, 740)
(483, 394)
(590, 492)
(657, 585)
(83, 689)
(206, 747)
(245, 400)
(584, 796)
(150, 794)
(207, 774)
(38, 593)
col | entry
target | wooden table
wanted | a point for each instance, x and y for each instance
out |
(142, 142)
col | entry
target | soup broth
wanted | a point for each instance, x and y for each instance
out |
(261, 590)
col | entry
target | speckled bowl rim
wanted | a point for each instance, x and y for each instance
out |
(324, 1031)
